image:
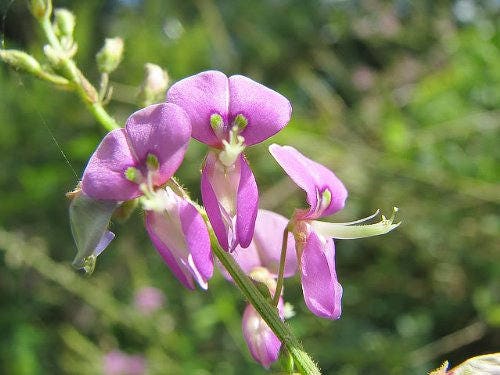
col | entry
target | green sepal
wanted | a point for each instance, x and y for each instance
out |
(89, 219)
(286, 361)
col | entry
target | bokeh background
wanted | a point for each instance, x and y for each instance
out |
(400, 98)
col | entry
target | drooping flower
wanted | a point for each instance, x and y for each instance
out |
(263, 344)
(315, 248)
(136, 162)
(229, 114)
(180, 235)
(261, 261)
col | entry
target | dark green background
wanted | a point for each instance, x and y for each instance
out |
(401, 99)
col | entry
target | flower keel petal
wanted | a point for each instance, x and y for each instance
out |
(322, 291)
(247, 204)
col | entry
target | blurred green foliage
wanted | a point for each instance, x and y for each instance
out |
(401, 99)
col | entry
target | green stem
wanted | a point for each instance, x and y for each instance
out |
(55, 79)
(281, 271)
(85, 90)
(103, 86)
(269, 313)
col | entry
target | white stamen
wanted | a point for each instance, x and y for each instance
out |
(350, 231)
(233, 148)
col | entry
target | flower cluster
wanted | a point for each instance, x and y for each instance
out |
(138, 162)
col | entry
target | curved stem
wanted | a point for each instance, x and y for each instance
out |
(281, 271)
(85, 90)
(269, 313)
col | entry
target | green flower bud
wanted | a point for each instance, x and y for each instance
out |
(41, 8)
(154, 86)
(20, 60)
(54, 56)
(64, 22)
(110, 55)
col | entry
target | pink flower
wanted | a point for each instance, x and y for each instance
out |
(263, 344)
(138, 161)
(315, 248)
(229, 114)
(265, 249)
(158, 134)
(180, 235)
(148, 300)
(119, 363)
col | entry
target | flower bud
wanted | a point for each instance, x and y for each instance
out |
(154, 85)
(64, 22)
(20, 60)
(110, 55)
(261, 340)
(41, 8)
(54, 56)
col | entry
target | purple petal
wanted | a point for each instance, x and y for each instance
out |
(313, 178)
(156, 225)
(211, 202)
(104, 177)
(266, 110)
(248, 259)
(268, 238)
(322, 291)
(247, 204)
(265, 248)
(261, 340)
(105, 240)
(198, 242)
(162, 130)
(201, 96)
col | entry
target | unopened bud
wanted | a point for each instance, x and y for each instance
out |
(110, 55)
(20, 60)
(261, 341)
(154, 85)
(52, 55)
(41, 8)
(64, 22)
